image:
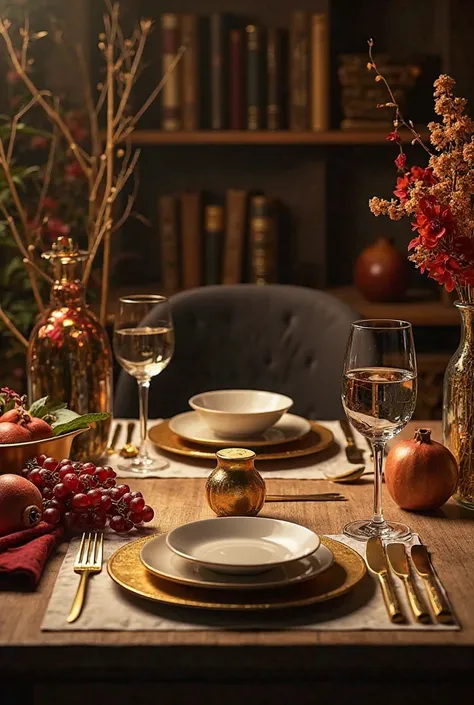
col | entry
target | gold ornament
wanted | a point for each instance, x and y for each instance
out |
(235, 487)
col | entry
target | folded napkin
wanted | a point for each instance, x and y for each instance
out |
(23, 554)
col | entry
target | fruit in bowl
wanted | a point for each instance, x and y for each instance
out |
(45, 427)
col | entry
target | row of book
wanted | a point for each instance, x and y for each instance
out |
(217, 244)
(237, 75)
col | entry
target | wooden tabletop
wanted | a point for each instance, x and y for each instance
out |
(27, 653)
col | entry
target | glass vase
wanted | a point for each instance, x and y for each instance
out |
(458, 407)
(69, 355)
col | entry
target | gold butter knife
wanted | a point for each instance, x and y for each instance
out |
(398, 558)
(377, 563)
(320, 497)
(111, 449)
(353, 452)
(421, 561)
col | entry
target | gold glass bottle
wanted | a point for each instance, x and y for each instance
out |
(69, 356)
(235, 487)
(458, 407)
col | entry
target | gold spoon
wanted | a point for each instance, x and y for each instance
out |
(350, 476)
(129, 450)
(111, 449)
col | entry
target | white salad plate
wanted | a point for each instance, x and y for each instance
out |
(192, 428)
(164, 563)
(240, 413)
(242, 545)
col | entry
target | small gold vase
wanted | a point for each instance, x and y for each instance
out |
(235, 487)
(69, 357)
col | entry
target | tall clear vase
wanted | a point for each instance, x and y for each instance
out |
(458, 407)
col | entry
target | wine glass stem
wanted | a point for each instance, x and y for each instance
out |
(379, 451)
(143, 387)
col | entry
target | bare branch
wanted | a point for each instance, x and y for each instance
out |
(34, 284)
(12, 328)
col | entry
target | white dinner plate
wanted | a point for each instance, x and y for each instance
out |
(242, 545)
(192, 428)
(161, 561)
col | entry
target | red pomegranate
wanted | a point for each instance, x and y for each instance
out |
(39, 429)
(420, 474)
(13, 433)
(20, 504)
(13, 415)
(380, 272)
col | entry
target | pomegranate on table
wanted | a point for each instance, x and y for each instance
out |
(420, 474)
(20, 504)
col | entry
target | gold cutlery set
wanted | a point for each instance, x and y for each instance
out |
(379, 557)
(88, 560)
(129, 449)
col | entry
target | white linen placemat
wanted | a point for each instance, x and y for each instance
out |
(110, 608)
(309, 467)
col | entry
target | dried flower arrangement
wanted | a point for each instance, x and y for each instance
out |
(105, 164)
(438, 197)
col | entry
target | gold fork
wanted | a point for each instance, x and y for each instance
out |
(88, 560)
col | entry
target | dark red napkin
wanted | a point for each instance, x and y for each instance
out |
(23, 554)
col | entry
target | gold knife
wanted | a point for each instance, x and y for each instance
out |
(377, 563)
(353, 452)
(398, 558)
(421, 561)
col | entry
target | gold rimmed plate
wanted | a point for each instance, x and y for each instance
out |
(127, 570)
(191, 427)
(318, 439)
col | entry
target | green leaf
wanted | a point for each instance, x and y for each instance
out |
(78, 422)
(42, 407)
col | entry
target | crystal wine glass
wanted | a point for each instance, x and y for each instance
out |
(379, 395)
(144, 345)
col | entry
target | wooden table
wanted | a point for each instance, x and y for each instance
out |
(114, 668)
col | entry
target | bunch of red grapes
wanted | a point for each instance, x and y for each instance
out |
(81, 495)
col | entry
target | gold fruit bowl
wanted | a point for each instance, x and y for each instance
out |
(13, 456)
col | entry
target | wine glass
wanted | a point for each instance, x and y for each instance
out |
(379, 395)
(144, 345)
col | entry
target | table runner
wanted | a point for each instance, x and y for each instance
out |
(310, 467)
(109, 608)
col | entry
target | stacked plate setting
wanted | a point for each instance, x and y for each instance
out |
(240, 418)
(247, 553)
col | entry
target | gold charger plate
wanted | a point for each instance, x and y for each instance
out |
(127, 570)
(319, 438)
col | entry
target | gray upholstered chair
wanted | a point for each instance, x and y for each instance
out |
(279, 338)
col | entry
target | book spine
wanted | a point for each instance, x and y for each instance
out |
(168, 228)
(189, 37)
(191, 239)
(217, 75)
(170, 119)
(236, 80)
(263, 241)
(214, 240)
(236, 207)
(274, 79)
(299, 71)
(254, 78)
(319, 72)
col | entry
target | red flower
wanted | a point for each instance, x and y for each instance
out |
(425, 175)
(433, 222)
(443, 269)
(401, 161)
(38, 142)
(73, 171)
(403, 184)
(50, 205)
(79, 133)
(464, 247)
(56, 227)
(393, 136)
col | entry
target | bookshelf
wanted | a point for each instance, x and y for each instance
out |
(260, 137)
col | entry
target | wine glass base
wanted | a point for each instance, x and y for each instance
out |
(363, 530)
(143, 465)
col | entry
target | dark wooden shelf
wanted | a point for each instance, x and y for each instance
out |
(417, 310)
(260, 137)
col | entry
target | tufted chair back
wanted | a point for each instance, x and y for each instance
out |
(279, 338)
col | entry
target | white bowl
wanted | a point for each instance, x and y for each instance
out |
(239, 413)
(247, 545)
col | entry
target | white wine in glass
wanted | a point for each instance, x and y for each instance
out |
(379, 396)
(144, 345)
